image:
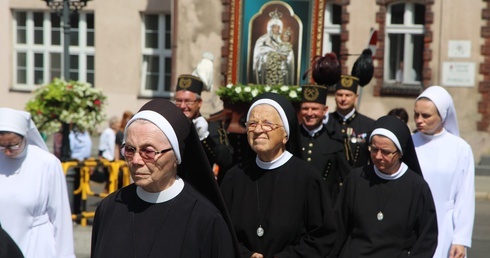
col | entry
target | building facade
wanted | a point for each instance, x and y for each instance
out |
(134, 51)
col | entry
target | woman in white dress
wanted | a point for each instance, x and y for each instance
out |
(33, 196)
(448, 166)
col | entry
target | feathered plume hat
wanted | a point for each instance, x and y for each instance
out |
(361, 74)
(325, 70)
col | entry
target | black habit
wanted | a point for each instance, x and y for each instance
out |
(8, 247)
(355, 132)
(408, 226)
(324, 151)
(290, 203)
(188, 225)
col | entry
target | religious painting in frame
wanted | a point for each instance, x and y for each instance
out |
(273, 42)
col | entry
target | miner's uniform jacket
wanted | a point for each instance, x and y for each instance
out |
(355, 133)
(324, 151)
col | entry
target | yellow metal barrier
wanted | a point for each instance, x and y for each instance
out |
(86, 168)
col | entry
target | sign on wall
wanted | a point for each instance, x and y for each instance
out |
(458, 74)
(459, 49)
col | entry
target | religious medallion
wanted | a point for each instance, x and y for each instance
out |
(260, 231)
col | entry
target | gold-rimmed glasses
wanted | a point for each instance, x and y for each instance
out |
(384, 152)
(266, 126)
(12, 147)
(186, 102)
(147, 154)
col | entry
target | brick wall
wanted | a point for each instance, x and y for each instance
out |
(484, 86)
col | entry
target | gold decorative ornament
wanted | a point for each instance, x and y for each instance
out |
(346, 82)
(311, 94)
(185, 83)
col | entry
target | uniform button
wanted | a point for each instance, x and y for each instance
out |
(303, 148)
(309, 152)
(310, 144)
(340, 183)
(343, 130)
(308, 159)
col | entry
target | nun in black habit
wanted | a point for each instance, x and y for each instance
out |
(279, 204)
(386, 209)
(174, 207)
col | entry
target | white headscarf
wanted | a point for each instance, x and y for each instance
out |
(444, 104)
(386, 133)
(276, 106)
(20, 122)
(163, 124)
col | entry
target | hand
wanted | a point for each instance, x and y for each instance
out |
(457, 251)
(201, 127)
(256, 255)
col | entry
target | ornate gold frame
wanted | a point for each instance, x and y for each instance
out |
(232, 75)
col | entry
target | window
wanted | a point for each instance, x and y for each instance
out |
(156, 67)
(38, 46)
(404, 44)
(331, 29)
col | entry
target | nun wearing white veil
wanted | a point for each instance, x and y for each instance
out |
(36, 211)
(448, 166)
(385, 209)
(174, 207)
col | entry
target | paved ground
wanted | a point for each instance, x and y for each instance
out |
(481, 233)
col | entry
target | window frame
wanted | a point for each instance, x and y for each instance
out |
(408, 29)
(330, 28)
(161, 52)
(46, 48)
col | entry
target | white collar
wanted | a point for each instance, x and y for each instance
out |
(401, 171)
(275, 163)
(348, 115)
(430, 137)
(163, 196)
(314, 131)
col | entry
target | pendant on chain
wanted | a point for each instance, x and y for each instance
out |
(260, 231)
(380, 216)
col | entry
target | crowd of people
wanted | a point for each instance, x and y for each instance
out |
(296, 183)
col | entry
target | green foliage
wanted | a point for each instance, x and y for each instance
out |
(240, 93)
(75, 103)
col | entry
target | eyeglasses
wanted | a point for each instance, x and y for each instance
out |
(187, 102)
(266, 126)
(11, 147)
(384, 153)
(146, 154)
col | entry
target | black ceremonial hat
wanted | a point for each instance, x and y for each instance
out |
(347, 82)
(314, 93)
(190, 83)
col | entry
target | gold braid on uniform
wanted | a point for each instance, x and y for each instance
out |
(223, 136)
(348, 151)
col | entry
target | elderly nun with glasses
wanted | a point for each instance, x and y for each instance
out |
(33, 194)
(279, 204)
(174, 207)
(386, 209)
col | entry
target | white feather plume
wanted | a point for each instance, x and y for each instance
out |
(204, 70)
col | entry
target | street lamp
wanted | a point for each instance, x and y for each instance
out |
(65, 8)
